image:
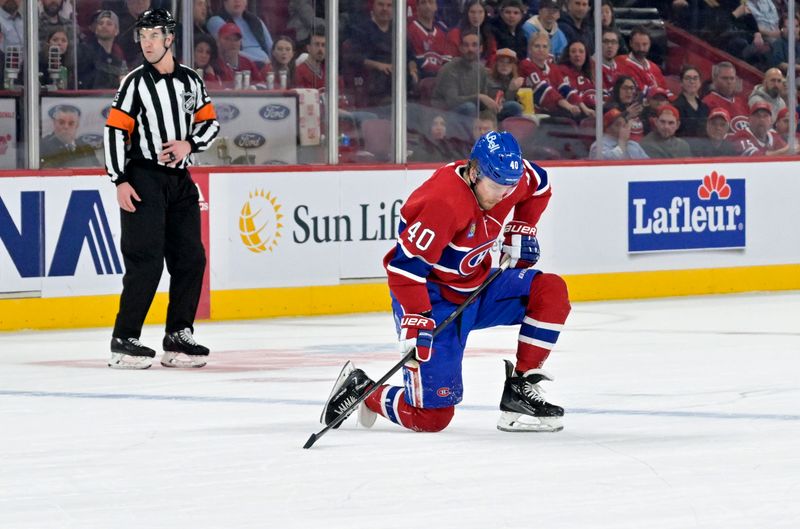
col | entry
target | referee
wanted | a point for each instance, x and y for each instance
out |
(160, 116)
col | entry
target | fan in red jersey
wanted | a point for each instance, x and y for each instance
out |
(448, 227)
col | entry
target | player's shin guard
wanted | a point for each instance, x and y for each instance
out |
(548, 308)
(390, 402)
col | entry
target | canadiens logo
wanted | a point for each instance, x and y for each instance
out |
(443, 392)
(471, 232)
(474, 258)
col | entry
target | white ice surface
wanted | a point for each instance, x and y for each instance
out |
(681, 413)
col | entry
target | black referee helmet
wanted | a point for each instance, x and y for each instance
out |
(156, 18)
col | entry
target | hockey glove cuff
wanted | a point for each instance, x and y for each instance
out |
(520, 244)
(416, 330)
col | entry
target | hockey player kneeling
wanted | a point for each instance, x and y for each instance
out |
(448, 226)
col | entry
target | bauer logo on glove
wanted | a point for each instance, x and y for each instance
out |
(520, 244)
(416, 330)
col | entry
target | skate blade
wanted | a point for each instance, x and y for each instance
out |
(366, 417)
(172, 359)
(123, 361)
(518, 422)
(343, 374)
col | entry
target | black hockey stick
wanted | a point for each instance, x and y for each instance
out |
(408, 356)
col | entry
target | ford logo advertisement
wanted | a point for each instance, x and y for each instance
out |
(249, 140)
(95, 141)
(274, 112)
(226, 112)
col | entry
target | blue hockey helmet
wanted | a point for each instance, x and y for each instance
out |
(498, 157)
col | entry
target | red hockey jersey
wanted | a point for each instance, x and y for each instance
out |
(736, 106)
(747, 144)
(647, 75)
(429, 46)
(544, 81)
(445, 237)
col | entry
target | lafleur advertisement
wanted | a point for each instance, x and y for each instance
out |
(686, 214)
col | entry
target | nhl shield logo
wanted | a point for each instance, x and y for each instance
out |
(188, 102)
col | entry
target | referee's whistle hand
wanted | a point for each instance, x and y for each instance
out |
(174, 151)
(125, 197)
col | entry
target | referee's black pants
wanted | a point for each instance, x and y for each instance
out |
(164, 227)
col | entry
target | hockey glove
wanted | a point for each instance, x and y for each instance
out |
(520, 244)
(416, 331)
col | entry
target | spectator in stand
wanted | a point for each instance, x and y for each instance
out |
(656, 98)
(128, 13)
(65, 59)
(694, 112)
(769, 91)
(616, 143)
(729, 25)
(462, 84)
(283, 61)
(577, 85)
(256, 38)
(206, 56)
(474, 17)
(759, 139)
(715, 142)
(50, 18)
(504, 81)
(609, 20)
(483, 123)
(63, 148)
(435, 145)
(547, 21)
(545, 78)
(507, 27)
(636, 64)
(428, 43)
(723, 94)
(766, 15)
(12, 28)
(231, 60)
(311, 74)
(303, 20)
(610, 44)
(662, 142)
(779, 49)
(101, 62)
(369, 49)
(200, 12)
(782, 126)
(576, 23)
(626, 97)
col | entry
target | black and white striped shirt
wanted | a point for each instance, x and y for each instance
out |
(151, 108)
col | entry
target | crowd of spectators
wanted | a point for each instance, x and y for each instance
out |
(498, 58)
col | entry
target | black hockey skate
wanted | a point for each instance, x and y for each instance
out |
(130, 353)
(351, 384)
(523, 409)
(180, 350)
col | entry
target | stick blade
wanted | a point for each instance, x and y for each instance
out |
(311, 441)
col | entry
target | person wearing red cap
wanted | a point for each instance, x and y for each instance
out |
(229, 39)
(760, 139)
(716, 142)
(782, 126)
(661, 142)
(656, 98)
(616, 143)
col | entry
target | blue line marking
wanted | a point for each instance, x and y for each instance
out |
(300, 402)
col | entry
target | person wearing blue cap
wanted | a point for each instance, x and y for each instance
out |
(447, 229)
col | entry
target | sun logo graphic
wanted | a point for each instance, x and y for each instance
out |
(260, 222)
(714, 183)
